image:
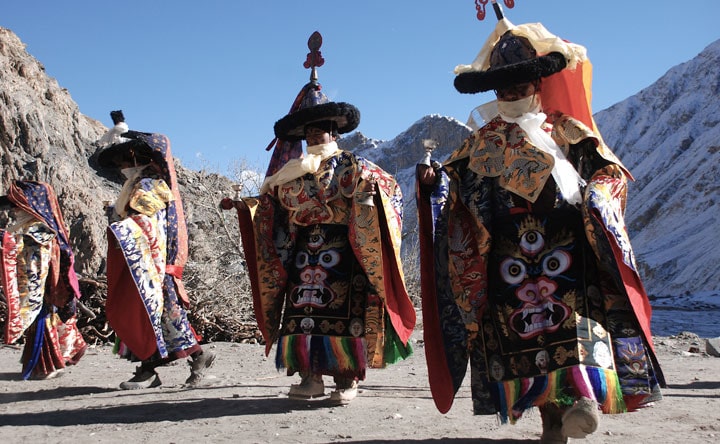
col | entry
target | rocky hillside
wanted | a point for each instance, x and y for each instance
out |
(43, 136)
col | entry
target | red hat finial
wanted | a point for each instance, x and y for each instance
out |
(314, 58)
(480, 8)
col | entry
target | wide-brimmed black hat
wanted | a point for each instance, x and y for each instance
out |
(122, 145)
(292, 126)
(513, 60)
(135, 150)
(312, 105)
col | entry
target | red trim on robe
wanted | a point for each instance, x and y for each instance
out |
(441, 384)
(8, 263)
(174, 270)
(247, 234)
(399, 306)
(124, 307)
(638, 299)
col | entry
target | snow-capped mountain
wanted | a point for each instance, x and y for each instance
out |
(668, 135)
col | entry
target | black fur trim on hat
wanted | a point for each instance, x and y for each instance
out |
(292, 127)
(479, 81)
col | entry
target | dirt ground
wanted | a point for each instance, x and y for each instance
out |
(244, 399)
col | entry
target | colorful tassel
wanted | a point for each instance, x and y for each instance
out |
(561, 387)
(329, 355)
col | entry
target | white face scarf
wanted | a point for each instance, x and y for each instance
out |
(526, 113)
(517, 108)
(132, 172)
(295, 168)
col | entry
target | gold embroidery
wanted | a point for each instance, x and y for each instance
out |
(569, 131)
(501, 150)
(149, 202)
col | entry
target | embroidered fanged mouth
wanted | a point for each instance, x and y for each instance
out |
(531, 320)
(312, 295)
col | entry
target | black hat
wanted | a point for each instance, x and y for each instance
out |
(312, 105)
(292, 126)
(134, 150)
(123, 145)
(513, 60)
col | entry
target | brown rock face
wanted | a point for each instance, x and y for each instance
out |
(44, 136)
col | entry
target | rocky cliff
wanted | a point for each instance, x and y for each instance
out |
(44, 136)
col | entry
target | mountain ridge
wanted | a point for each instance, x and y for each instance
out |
(668, 135)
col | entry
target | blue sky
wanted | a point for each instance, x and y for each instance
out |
(215, 75)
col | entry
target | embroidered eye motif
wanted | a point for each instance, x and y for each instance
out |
(532, 242)
(315, 240)
(302, 260)
(556, 263)
(329, 258)
(512, 271)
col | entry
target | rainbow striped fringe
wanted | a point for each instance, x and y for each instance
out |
(561, 387)
(329, 355)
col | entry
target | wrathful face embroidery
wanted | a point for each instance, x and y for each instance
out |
(320, 265)
(533, 267)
